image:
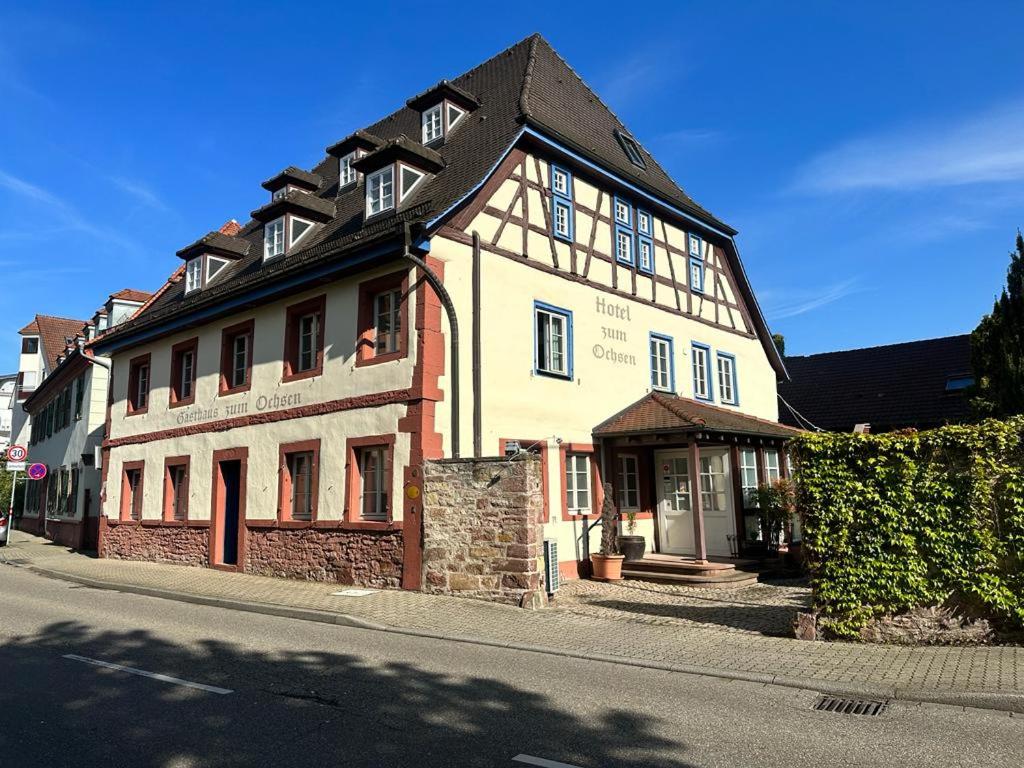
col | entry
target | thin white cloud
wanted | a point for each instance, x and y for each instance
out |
(780, 304)
(140, 192)
(984, 148)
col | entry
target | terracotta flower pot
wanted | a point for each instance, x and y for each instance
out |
(607, 567)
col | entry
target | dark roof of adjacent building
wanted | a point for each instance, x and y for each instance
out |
(657, 412)
(889, 387)
(527, 85)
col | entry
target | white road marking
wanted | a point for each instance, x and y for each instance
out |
(144, 673)
(540, 761)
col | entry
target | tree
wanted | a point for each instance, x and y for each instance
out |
(780, 343)
(997, 347)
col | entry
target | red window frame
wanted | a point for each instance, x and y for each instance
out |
(227, 356)
(134, 366)
(173, 462)
(177, 357)
(293, 313)
(284, 496)
(596, 489)
(366, 344)
(131, 507)
(353, 479)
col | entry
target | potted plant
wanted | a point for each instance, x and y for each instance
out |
(607, 565)
(631, 546)
(776, 502)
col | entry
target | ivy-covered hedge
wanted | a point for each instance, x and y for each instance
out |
(901, 520)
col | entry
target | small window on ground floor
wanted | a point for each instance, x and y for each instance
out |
(299, 470)
(628, 476)
(373, 491)
(176, 491)
(577, 484)
(131, 492)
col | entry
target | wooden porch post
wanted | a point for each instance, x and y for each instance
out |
(700, 546)
(739, 503)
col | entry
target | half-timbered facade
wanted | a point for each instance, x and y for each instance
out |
(498, 266)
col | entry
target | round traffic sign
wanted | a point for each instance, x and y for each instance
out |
(16, 453)
(37, 471)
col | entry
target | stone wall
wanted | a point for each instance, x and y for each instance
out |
(364, 558)
(483, 528)
(181, 545)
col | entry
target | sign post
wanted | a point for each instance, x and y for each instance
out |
(16, 455)
(10, 510)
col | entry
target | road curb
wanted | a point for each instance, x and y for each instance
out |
(1012, 703)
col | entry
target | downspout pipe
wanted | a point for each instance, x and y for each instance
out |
(478, 418)
(453, 322)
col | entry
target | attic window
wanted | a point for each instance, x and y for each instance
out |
(299, 228)
(279, 193)
(347, 174)
(454, 114)
(959, 383)
(433, 127)
(380, 191)
(631, 148)
(273, 238)
(410, 177)
(214, 266)
(194, 274)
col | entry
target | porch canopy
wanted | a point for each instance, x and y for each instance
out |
(665, 422)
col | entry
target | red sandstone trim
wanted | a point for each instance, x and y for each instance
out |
(217, 503)
(374, 400)
(133, 383)
(135, 511)
(367, 341)
(284, 480)
(353, 482)
(227, 339)
(177, 351)
(596, 490)
(317, 306)
(542, 447)
(168, 503)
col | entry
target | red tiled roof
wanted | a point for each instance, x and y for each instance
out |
(658, 412)
(130, 294)
(32, 329)
(53, 331)
(230, 228)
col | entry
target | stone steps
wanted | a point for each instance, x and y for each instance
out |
(722, 579)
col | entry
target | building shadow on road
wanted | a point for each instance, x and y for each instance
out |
(301, 707)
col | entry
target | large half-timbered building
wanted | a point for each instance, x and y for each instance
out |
(498, 265)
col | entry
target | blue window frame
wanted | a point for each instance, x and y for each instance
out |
(622, 212)
(552, 341)
(624, 245)
(728, 383)
(645, 254)
(696, 275)
(562, 224)
(700, 358)
(644, 222)
(663, 363)
(696, 246)
(561, 182)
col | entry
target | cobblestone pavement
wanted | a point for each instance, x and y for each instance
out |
(646, 623)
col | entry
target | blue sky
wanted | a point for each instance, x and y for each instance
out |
(870, 157)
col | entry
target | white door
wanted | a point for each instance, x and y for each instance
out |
(675, 520)
(716, 500)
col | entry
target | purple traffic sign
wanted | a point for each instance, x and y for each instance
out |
(37, 471)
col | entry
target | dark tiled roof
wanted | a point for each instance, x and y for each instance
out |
(53, 332)
(293, 175)
(443, 90)
(131, 294)
(527, 83)
(217, 243)
(303, 203)
(401, 148)
(890, 387)
(358, 140)
(658, 412)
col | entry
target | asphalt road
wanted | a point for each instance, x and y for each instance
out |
(320, 695)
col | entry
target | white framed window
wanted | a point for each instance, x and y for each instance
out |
(696, 275)
(410, 178)
(346, 173)
(273, 238)
(214, 267)
(624, 245)
(577, 483)
(299, 228)
(748, 476)
(701, 372)
(628, 475)
(142, 386)
(695, 247)
(300, 474)
(307, 328)
(771, 465)
(553, 329)
(387, 321)
(644, 223)
(662, 373)
(239, 360)
(373, 492)
(560, 181)
(562, 213)
(727, 389)
(380, 191)
(433, 128)
(186, 374)
(194, 274)
(623, 212)
(645, 254)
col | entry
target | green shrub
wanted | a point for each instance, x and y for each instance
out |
(909, 519)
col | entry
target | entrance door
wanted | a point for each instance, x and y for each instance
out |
(675, 519)
(716, 500)
(229, 491)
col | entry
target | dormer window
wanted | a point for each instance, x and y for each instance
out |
(346, 173)
(410, 177)
(214, 267)
(454, 114)
(380, 191)
(279, 193)
(433, 124)
(273, 239)
(299, 228)
(194, 274)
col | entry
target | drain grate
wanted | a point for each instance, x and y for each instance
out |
(866, 707)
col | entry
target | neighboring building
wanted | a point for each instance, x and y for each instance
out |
(273, 407)
(919, 384)
(7, 386)
(67, 412)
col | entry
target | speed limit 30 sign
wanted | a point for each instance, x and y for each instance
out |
(17, 453)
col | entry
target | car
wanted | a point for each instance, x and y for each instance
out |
(5, 521)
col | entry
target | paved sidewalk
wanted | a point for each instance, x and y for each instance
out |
(688, 642)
